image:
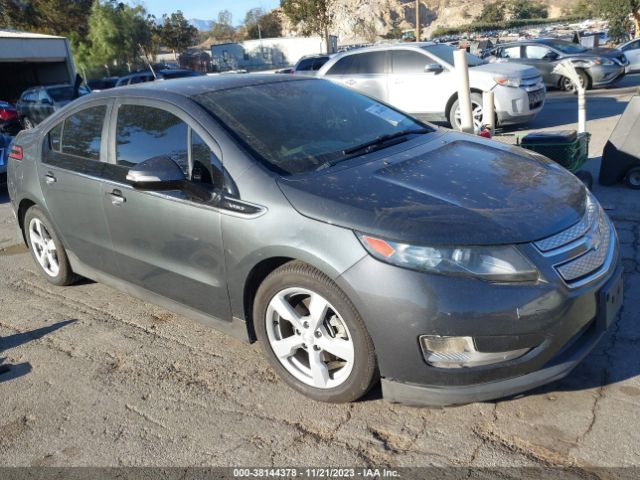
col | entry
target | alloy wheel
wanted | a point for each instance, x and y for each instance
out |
(476, 114)
(44, 247)
(309, 338)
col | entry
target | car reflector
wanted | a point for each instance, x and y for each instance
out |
(380, 246)
(16, 153)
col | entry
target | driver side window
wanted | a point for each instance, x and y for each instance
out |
(144, 132)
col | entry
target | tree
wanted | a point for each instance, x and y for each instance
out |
(525, 9)
(492, 12)
(117, 36)
(312, 16)
(259, 24)
(56, 17)
(582, 8)
(177, 33)
(222, 29)
(617, 12)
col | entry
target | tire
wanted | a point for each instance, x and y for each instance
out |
(568, 86)
(586, 178)
(632, 179)
(27, 123)
(46, 249)
(343, 376)
(476, 107)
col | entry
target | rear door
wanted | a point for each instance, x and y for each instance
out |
(365, 72)
(73, 154)
(415, 90)
(167, 242)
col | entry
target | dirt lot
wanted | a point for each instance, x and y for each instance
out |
(99, 378)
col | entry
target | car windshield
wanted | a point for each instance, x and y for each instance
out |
(567, 47)
(301, 126)
(445, 53)
(63, 94)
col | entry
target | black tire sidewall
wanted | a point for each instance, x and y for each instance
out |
(65, 275)
(629, 175)
(298, 274)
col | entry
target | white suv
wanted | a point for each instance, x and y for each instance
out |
(419, 78)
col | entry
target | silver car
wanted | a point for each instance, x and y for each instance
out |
(419, 78)
(631, 50)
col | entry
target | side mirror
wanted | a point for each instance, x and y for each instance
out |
(433, 68)
(551, 56)
(157, 173)
(47, 101)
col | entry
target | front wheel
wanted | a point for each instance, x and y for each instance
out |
(455, 117)
(313, 336)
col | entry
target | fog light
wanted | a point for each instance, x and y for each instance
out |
(460, 352)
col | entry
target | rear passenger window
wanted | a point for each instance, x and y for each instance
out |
(82, 133)
(147, 132)
(360, 63)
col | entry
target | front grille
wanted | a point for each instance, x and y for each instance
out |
(582, 252)
(591, 261)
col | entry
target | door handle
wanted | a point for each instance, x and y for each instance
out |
(116, 198)
(350, 82)
(49, 179)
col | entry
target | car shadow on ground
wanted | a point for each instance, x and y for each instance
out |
(12, 371)
(4, 195)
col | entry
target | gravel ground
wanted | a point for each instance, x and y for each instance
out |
(101, 379)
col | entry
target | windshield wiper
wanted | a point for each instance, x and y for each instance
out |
(382, 139)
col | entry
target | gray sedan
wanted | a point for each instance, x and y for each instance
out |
(631, 50)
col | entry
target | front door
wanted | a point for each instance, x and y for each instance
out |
(415, 86)
(167, 242)
(70, 177)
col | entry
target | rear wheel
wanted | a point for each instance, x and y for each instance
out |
(46, 249)
(313, 336)
(632, 180)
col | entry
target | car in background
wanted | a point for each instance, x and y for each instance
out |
(102, 83)
(310, 64)
(148, 76)
(419, 78)
(37, 103)
(597, 67)
(354, 242)
(631, 50)
(9, 123)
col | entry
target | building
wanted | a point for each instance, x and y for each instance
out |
(267, 53)
(30, 59)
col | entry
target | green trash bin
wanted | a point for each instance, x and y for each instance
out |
(566, 147)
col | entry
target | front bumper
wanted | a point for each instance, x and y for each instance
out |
(601, 75)
(560, 324)
(515, 106)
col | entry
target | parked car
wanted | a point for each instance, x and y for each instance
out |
(9, 123)
(102, 83)
(38, 103)
(597, 67)
(148, 76)
(420, 79)
(631, 50)
(352, 240)
(310, 64)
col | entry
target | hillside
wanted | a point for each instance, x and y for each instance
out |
(367, 20)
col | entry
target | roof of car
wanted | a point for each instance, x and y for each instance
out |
(387, 46)
(191, 86)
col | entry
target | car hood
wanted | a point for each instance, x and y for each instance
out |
(512, 70)
(452, 189)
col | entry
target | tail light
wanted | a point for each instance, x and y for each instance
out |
(6, 114)
(16, 152)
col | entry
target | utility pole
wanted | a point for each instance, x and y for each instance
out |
(417, 20)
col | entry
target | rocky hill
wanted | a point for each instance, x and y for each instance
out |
(368, 20)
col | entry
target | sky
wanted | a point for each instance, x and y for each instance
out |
(207, 9)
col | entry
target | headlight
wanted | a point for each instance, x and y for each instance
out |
(507, 81)
(603, 61)
(498, 263)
